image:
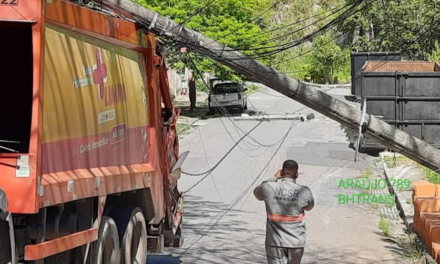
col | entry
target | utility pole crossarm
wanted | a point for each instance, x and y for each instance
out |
(327, 105)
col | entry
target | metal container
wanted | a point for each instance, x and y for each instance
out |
(358, 60)
(404, 94)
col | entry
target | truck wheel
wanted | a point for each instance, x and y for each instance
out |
(106, 248)
(132, 230)
(5, 245)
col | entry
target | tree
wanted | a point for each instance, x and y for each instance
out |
(327, 58)
(228, 21)
(410, 26)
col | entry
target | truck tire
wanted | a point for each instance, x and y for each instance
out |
(5, 245)
(106, 249)
(132, 229)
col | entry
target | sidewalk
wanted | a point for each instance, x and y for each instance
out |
(183, 100)
(398, 168)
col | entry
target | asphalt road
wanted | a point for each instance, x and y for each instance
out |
(224, 223)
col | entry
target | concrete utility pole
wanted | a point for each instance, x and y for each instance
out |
(333, 108)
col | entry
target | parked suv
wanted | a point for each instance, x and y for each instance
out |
(230, 95)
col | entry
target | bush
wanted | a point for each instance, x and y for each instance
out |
(330, 63)
(323, 62)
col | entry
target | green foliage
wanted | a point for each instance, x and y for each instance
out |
(201, 85)
(327, 59)
(432, 176)
(367, 174)
(385, 226)
(251, 88)
(319, 63)
(409, 26)
(228, 21)
(435, 55)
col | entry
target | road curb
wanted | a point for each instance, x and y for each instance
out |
(406, 216)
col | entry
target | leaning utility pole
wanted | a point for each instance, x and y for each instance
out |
(327, 105)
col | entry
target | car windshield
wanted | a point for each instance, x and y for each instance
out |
(226, 88)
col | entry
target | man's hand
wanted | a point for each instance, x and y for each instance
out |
(278, 174)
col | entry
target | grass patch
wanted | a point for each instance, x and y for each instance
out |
(414, 250)
(367, 174)
(180, 127)
(399, 161)
(385, 226)
(251, 88)
(430, 175)
(377, 162)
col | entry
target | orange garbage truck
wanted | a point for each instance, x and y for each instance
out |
(89, 159)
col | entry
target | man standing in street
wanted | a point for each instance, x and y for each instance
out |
(192, 93)
(285, 202)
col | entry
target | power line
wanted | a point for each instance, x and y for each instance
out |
(309, 51)
(265, 11)
(224, 111)
(288, 25)
(266, 166)
(284, 46)
(222, 159)
(227, 114)
(243, 194)
(210, 173)
(281, 27)
(349, 12)
(288, 34)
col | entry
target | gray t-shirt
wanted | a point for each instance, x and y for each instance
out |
(285, 204)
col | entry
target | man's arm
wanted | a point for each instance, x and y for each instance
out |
(259, 192)
(310, 201)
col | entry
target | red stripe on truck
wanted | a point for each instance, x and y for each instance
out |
(120, 146)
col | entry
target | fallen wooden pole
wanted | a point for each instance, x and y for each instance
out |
(327, 105)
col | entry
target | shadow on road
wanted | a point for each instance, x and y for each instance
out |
(214, 234)
(163, 259)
